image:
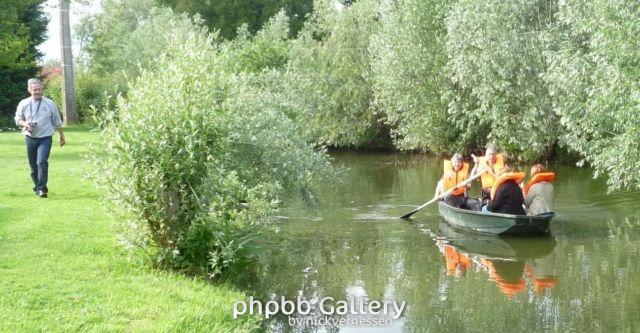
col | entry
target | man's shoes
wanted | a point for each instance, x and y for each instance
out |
(42, 194)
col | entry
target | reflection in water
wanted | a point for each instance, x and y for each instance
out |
(507, 275)
(511, 263)
(584, 277)
(542, 273)
(457, 263)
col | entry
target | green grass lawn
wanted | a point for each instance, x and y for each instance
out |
(61, 268)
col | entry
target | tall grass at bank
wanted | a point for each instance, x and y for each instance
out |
(61, 268)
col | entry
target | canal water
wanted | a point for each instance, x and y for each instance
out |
(353, 247)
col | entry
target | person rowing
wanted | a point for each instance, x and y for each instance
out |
(455, 171)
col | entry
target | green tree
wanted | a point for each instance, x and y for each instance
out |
(329, 73)
(594, 78)
(496, 62)
(407, 59)
(228, 16)
(267, 49)
(126, 37)
(23, 27)
(120, 40)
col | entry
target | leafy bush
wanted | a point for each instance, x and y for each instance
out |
(407, 59)
(227, 16)
(91, 93)
(594, 80)
(328, 76)
(268, 49)
(53, 90)
(122, 40)
(196, 158)
(496, 62)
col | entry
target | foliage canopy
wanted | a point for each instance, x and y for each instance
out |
(23, 28)
(227, 16)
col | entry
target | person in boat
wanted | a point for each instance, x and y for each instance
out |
(490, 165)
(538, 193)
(456, 171)
(506, 194)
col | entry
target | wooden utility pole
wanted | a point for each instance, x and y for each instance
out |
(68, 89)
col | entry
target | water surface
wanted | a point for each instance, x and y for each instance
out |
(584, 276)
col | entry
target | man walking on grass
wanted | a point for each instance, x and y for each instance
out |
(39, 118)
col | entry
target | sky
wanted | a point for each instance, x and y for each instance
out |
(51, 47)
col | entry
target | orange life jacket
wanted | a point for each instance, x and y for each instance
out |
(487, 178)
(453, 178)
(510, 288)
(455, 260)
(507, 287)
(543, 283)
(516, 176)
(539, 177)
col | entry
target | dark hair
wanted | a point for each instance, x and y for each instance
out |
(536, 169)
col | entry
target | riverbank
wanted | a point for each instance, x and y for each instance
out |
(62, 269)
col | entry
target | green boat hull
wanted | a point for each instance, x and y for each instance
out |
(493, 223)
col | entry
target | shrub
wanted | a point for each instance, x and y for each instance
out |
(594, 80)
(268, 49)
(196, 158)
(92, 93)
(120, 41)
(328, 76)
(496, 63)
(407, 59)
(53, 90)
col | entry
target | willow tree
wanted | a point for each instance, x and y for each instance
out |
(23, 28)
(227, 16)
(497, 60)
(198, 155)
(407, 59)
(594, 77)
(329, 75)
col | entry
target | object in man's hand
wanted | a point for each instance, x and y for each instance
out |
(31, 126)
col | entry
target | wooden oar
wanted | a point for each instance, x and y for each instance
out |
(407, 215)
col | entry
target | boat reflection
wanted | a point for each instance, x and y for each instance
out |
(512, 263)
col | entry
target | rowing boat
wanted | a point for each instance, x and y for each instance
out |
(494, 223)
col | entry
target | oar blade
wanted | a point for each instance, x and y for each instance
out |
(407, 215)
